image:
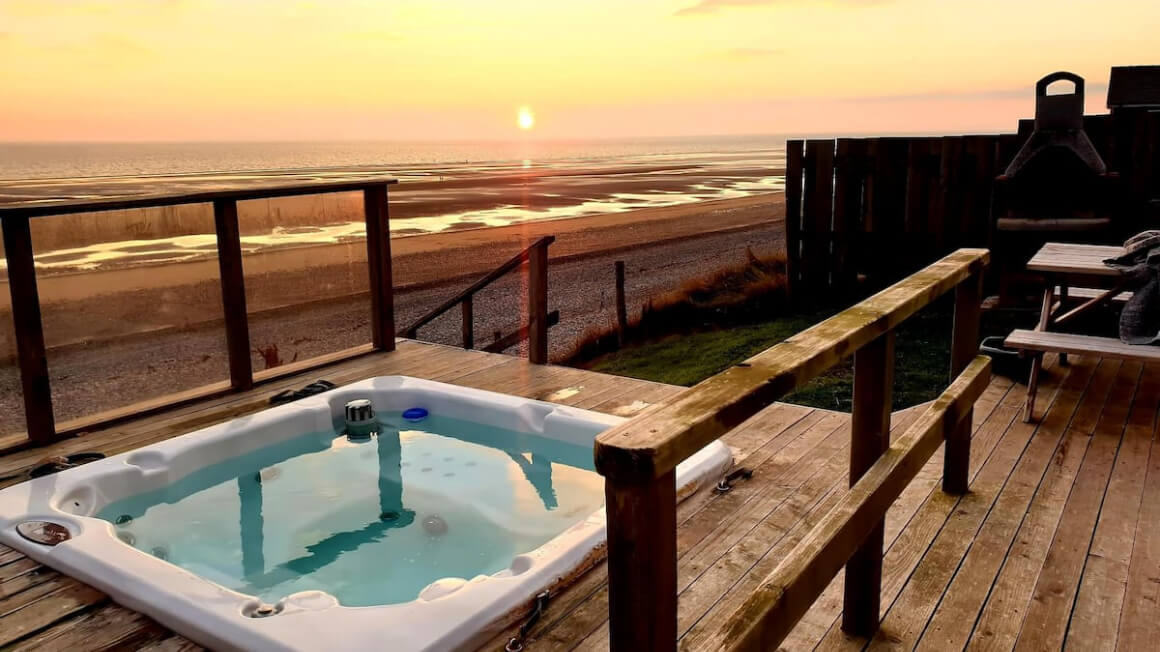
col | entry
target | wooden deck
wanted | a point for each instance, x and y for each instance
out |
(1057, 543)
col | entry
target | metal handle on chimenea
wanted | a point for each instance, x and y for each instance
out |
(1063, 111)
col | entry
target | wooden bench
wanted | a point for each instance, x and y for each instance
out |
(1105, 347)
(1065, 343)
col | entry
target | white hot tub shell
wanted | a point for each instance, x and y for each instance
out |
(449, 613)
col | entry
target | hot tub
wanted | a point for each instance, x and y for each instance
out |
(279, 531)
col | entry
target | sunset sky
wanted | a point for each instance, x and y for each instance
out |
(178, 70)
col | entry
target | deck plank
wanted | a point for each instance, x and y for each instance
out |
(758, 554)
(1097, 612)
(107, 627)
(913, 522)
(1002, 617)
(951, 624)
(1056, 538)
(1045, 624)
(1139, 628)
(782, 425)
(908, 613)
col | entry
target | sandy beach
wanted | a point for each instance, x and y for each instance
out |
(128, 333)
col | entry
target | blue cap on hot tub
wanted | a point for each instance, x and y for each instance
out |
(415, 414)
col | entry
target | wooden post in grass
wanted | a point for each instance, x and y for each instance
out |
(538, 304)
(468, 327)
(869, 439)
(621, 306)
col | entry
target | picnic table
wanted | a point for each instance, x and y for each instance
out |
(1075, 271)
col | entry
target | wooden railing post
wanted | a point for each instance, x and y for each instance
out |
(642, 563)
(964, 347)
(621, 304)
(468, 322)
(538, 304)
(229, 246)
(29, 330)
(379, 264)
(869, 439)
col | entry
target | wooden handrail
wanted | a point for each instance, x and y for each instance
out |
(73, 206)
(784, 596)
(14, 220)
(658, 439)
(639, 458)
(484, 281)
(520, 334)
(539, 319)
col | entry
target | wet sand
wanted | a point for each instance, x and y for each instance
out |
(425, 201)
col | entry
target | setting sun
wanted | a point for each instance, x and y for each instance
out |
(526, 119)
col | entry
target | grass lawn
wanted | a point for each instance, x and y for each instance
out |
(922, 355)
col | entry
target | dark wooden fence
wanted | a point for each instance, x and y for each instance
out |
(880, 208)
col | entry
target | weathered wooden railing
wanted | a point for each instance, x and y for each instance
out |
(26, 314)
(539, 319)
(639, 459)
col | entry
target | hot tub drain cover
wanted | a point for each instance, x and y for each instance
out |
(43, 532)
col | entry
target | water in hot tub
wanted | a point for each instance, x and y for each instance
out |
(370, 522)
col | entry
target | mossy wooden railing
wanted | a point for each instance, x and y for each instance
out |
(639, 458)
(535, 257)
(26, 313)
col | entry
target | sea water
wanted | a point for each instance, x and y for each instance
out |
(371, 522)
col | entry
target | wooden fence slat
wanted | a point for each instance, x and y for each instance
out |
(793, 218)
(934, 196)
(918, 174)
(233, 288)
(29, 330)
(849, 173)
(817, 214)
(977, 198)
(886, 196)
(950, 209)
